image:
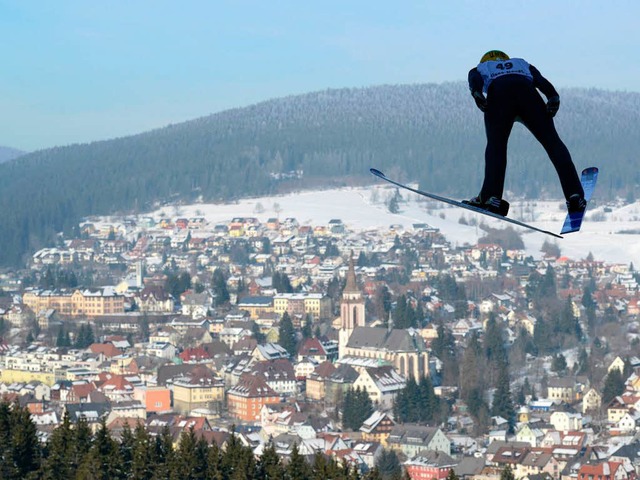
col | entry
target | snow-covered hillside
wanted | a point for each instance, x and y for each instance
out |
(365, 208)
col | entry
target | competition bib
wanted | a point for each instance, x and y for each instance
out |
(493, 69)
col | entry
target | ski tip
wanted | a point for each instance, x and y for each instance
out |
(377, 172)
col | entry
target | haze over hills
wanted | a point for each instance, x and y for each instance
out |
(429, 133)
(8, 153)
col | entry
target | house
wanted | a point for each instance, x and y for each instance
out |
(269, 351)
(304, 368)
(155, 399)
(538, 462)
(629, 456)
(618, 407)
(382, 384)
(194, 355)
(411, 439)
(277, 418)
(312, 348)
(196, 305)
(117, 388)
(231, 335)
(429, 464)
(564, 421)
(561, 390)
(278, 374)
(338, 382)
(529, 434)
(617, 363)
(591, 401)
(91, 412)
(246, 399)
(257, 306)
(627, 424)
(161, 350)
(369, 452)
(199, 389)
(315, 385)
(377, 428)
(129, 409)
(606, 470)
(154, 299)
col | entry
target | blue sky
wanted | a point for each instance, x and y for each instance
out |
(77, 71)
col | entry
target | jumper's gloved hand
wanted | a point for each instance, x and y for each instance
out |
(553, 104)
(481, 101)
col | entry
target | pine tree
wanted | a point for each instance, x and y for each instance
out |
(24, 447)
(143, 461)
(559, 363)
(429, 404)
(163, 453)
(219, 287)
(214, 463)
(307, 328)
(79, 343)
(472, 367)
(60, 462)
(238, 461)
(356, 408)
(82, 441)
(502, 402)
(60, 341)
(89, 336)
(185, 463)
(613, 385)
(287, 334)
(324, 468)
(494, 348)
(348, 405)
(388, 464)
(297, 468)
(103, 462)
(127, 443)
(507, 474)
(269, 465)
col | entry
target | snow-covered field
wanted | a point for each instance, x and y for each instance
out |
(365, 208)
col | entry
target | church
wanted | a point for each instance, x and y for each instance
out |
(404, 349)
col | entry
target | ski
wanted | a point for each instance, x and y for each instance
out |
(573, 221)
(456, 203)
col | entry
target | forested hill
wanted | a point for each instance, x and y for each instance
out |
(431, 133)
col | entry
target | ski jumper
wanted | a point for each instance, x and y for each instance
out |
(511, 89)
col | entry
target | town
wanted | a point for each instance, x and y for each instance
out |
(386, 350)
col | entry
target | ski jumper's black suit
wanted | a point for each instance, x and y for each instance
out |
(512, 95)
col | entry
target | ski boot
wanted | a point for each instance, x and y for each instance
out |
(494, 205)
(576, 203)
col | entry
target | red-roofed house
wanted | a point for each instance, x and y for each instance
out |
(109, 350)
(430, 464)
(246, 399)
(115, 387)
(312, 348)
(79, 392)
(194, 355)
(602, 471)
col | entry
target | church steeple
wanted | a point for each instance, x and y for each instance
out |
(352, 285)
(352, 311)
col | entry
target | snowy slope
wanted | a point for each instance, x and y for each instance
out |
(364, 208)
